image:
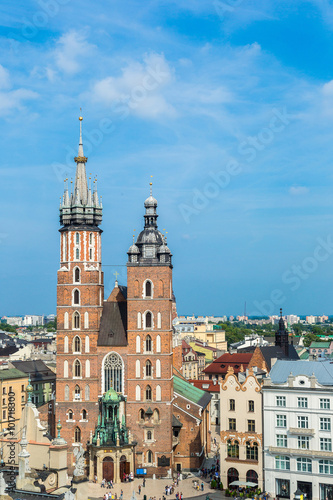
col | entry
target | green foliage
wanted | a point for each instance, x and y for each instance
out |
(213, 484)
(221, 486)
(297, 327)
(8, 328)
(310, 337)
(227, 492)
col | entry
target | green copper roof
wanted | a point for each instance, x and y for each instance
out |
(111, 395)
(322, 345)
(188, 391)
(12, 373)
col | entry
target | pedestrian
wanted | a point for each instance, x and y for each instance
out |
(144, 482)
(202, 486)
(139, 488)
(121, 494)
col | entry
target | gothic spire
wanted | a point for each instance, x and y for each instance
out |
(81, 184)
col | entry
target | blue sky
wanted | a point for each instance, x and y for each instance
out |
(228, 105)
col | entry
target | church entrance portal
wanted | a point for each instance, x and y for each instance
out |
(108, 469)
(124, 468)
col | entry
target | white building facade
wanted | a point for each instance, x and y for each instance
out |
(297, 428)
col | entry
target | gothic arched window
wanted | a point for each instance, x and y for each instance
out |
(77, 344)
(148, 393)
(148, 289)
(70, 414)
(66, 392)
(77, 238)
(87, 393)
(84, 414)
(149, 457)
(148, 343)
(141, 414)
(148, 369)
(77, 392)
(148, 320)
(77, 253)
(77, 275)
(77, 435)
(113, 372)
(76, 320)
(77, 368)
(149, 435)
(76, 297)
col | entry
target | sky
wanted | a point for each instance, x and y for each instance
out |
(228, 105)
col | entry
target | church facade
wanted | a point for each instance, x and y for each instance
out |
(115, 381)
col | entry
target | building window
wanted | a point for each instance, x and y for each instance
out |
(77, 253)
(77, 344)
(251, 406)
(325, 444)
(84, 414)
(302, 422)
(70, 415)
(148, 393)
(148, 319)
(302, 402)
(149, 457)
(158, 343)
(251, 425)
(22, 388)
(158, 368)
(281, 420)
(65, 368)
(77, 435)
(76, 321)
(232, 424)
(76, 297)
(148, 289)
(281, 401)
(113, 372)
(148, 343)
(158, 393)
(326, 467)
(77, 275)
(156, 415)
(325, 424)
(77, 368)
(4, 415)
(90, 254)
(4, 390)
(281, 440)
(232, 405)
(148, 369)
(77, 238)
(77, 393)
(233, 449)
(66, 392)
(283, 488)
(303, 442)
(304, 464)
(324, 404)
(137, 393)
(87, 393)
(282, 462)
(251, 451)
(149, 436)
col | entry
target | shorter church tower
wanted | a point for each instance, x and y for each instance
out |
(80, 294)
(282, 337)
(149, 333)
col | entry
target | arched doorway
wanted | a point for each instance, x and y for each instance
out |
(124, 467)
(232, 475)
(108, 469)
(251, 476)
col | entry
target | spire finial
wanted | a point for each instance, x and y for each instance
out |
(80, 158)
(280, 312)
(151, 186)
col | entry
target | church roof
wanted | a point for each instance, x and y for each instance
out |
(113, 326)
(188, 391)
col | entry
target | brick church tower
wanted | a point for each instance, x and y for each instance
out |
(80, 295)
(149, 334)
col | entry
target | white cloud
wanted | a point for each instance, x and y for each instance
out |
(4, 78)
(14, 99)
(138, 87)
(298, 190)
(72, 50)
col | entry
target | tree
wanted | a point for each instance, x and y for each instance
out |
(310, 337)
(297, 327)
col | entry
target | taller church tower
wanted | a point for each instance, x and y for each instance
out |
(80, 295)
(149, 372)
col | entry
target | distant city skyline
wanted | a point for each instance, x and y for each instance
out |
(228, 107)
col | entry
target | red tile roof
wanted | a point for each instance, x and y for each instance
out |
(236, 360)
(202, 384)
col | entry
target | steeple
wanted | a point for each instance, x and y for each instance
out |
(82, 206)
(281, 336)
(150, 247)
